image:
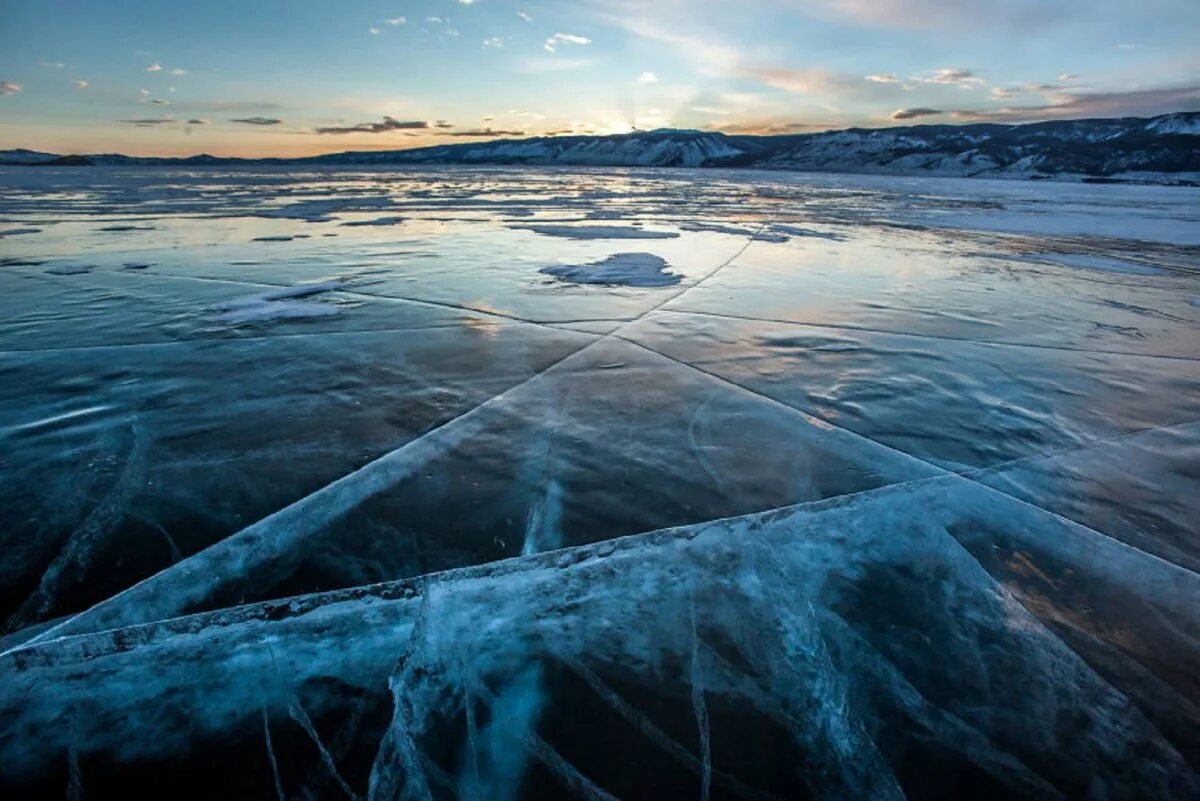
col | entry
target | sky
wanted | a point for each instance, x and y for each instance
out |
(298, 77)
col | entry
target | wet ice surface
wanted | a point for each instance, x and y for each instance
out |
(435, 484)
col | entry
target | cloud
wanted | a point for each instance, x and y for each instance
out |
(1013, 15)
(524, 16)
(143, 92)
(386, 124)
(54, 65)
(80, 84)
(770, 127)
(1078, 105)
(913, 113)
(647, 77)
(1068, 76)
(258, 121)
(178, 71)
(395, 21)
(554, 41)
(494, 41)
(481, 132)
(198, 121)
(810, 80)
(466, 2)
(158, 101)
(148, 122)
(9, 88)
(155, 67)
(887, 77)
(374, 31)
(957, 76)
(443, 124)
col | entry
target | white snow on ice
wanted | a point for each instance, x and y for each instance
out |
(627, 269)
(280, 304)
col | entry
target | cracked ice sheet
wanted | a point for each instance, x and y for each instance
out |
(923, 283)
(961, 405)
(613, 441)
(117, 306)
(816, 635)
(500, 270)
(117, 463)
(1142, 489)
(477, 265)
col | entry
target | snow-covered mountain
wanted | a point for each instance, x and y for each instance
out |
(1160, 149)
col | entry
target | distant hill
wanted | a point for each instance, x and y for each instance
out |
(1164, 149)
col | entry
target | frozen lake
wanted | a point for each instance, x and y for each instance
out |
(597, 483)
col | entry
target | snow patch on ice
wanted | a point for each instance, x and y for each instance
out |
(320, 210)
(626, 269)
(376, 221)
(597, 231)
(280, 304)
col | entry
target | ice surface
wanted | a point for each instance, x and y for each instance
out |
(867, 598)
(628, 269)
(889, 492)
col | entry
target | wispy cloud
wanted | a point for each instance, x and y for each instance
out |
(483, 132)
(9, 88)
(395, 21)
(914, 113)
(198, 121)
(887, 77)
(647, 77)
(80, 84)
(374, 31)
(158, 101)
(524, 16)
(54, 65)
(557, 39)
(1078, 105)
(155, 67)
(258, 120)
(494, 42)
(148, 122)
(383, 126)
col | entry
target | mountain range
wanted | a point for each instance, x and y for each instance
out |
(1163, 149)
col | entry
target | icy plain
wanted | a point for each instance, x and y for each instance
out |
(624, 483)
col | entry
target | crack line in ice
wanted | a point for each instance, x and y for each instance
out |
(699, 708)
(968, 477)
(440, 304)
(271, 756)
(270, 540)
(75, 553)
(726, 315)
(397, 745)
(652, 732)
(297, 713)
